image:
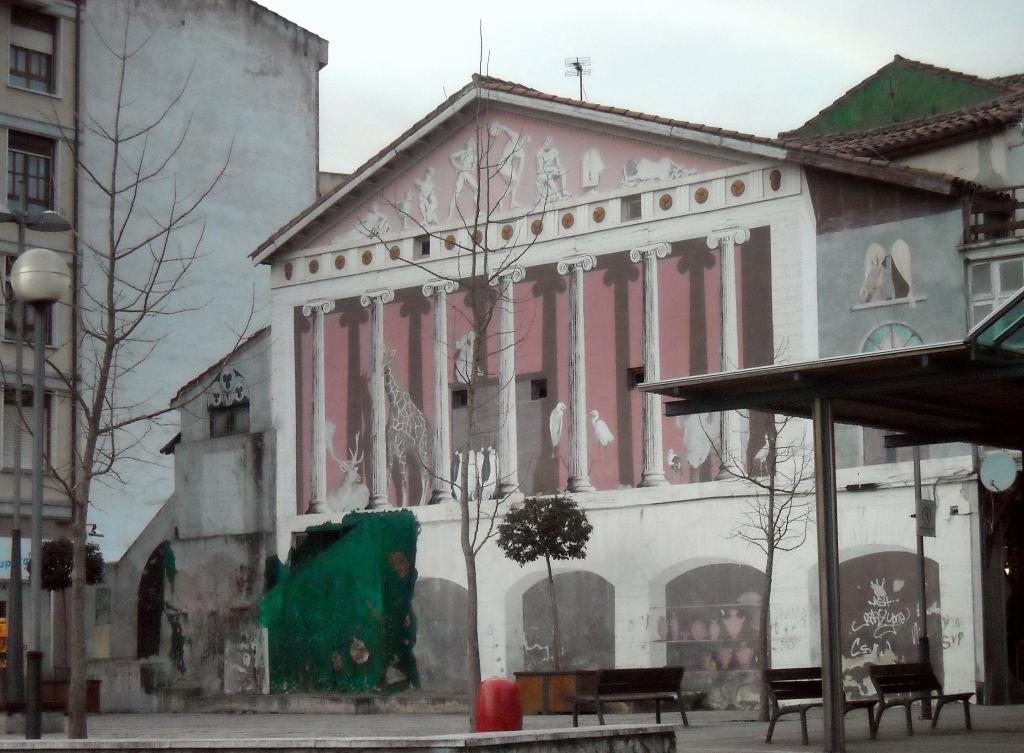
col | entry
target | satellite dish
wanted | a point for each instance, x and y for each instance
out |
(998, 471)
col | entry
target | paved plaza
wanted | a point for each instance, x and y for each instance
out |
(996, 728)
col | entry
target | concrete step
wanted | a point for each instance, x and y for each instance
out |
(408, 702)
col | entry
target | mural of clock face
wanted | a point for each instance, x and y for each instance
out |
(891, 336)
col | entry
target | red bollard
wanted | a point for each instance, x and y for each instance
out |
(497, 706)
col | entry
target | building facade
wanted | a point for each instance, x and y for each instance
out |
(189, 93)
(470, 311)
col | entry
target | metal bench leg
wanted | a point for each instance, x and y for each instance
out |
(657, 711)
(771, 725)
(910, 721)
(600, 712)
(938, 710)
(682, 710)
(967, 714)
(803, 726)
(871, 723)
(575, 715)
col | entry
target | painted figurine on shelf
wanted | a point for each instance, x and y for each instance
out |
(734, 622)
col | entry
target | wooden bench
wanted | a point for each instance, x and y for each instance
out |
(800, 684)
(910, 683)
(635, 684)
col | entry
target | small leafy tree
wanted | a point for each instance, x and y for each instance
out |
(554, 528)
(57, 560)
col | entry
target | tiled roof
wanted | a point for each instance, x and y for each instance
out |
(1006, 82)
(887, 141)
(817, 155)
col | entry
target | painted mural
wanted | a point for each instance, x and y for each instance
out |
(710, 627)
(879, 607)
(512, 163)
(690, 291)
(586, 619)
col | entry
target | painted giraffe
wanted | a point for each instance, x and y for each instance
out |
(408, 429)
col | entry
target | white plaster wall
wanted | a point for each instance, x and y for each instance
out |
(642, 540)
(994, 160)
(251, 91)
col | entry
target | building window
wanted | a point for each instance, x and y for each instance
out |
(538, 389)
(29, 172)
(229, 419)
(634, 377)
(992, 283)
(631, 207)
(33, 38)
(10, 310)
(422, 245)
(460, 398)
(15, 420)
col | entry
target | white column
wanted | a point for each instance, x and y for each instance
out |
(734, 425)
(442, 460)
(654, 469)
(508, 436)
(579, 472)
(318, 449)
(375, 300)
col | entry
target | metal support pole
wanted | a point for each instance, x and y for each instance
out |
(15, 607)
(922, 643)
(33, 717)
(828, 575)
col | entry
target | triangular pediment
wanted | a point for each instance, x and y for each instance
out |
(515, 151)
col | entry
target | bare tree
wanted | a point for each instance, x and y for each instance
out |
(491, 239)
(130, 276)
(778, 514)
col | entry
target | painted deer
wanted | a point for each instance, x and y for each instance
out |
(351, 494)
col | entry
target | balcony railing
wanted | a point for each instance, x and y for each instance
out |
(996, 215)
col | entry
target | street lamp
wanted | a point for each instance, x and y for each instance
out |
(47, 222)
(39, 278)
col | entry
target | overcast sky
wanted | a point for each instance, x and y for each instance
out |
(760, 66)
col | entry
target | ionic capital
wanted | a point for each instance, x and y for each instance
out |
(730, 236)
(513, 273)
(584, 262)
(319, 306)
(658, 250)
(439, 286)
(384, 295)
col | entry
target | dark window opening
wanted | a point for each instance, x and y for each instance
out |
(150, 606)
(31, 50)
(422, 244)
(634, 377)
(631, 208)
(231, 419)
(29, 172)
(460, 398)
(538, 389)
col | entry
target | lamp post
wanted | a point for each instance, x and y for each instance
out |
(46, 222)
(39, 278)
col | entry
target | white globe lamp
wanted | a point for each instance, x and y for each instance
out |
(40, 276)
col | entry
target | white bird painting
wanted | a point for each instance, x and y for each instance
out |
(601, 431)
(760, 458)
(555, 427)
(673, 460)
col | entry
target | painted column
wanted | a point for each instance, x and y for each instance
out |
(318, 446)
(375, 300)
(579, 474)
(734, 425)
(654, 469)
(508, 435)
(442, 460)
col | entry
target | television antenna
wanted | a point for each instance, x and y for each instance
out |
(577, 68)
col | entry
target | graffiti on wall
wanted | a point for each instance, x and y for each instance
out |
(880, 614)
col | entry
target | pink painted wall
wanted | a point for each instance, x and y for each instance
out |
(690, 308)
